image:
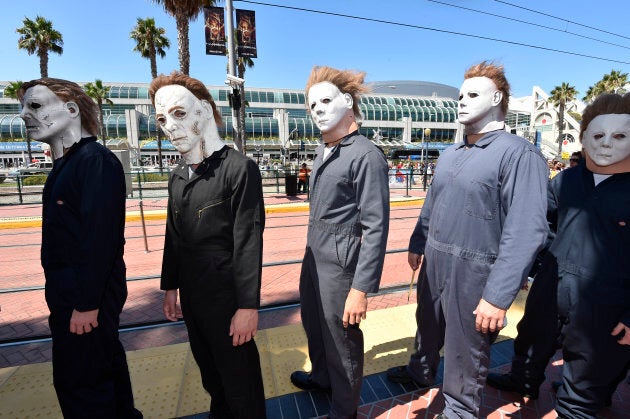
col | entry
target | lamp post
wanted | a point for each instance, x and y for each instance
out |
(257, 148)
(425, 153)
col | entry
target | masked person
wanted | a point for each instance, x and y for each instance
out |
(586, 270)
(346, 241)
(473, 242)
(212, 247)
(83, 223)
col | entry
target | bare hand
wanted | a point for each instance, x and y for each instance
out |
(415, 260)
(355, 308)
(172, 311)
(490, 318)
(243, 325)
(83, 321)
(625, 340)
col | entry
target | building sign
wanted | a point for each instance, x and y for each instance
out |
(215, 30)
(246, 33)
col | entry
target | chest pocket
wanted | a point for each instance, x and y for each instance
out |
(335, 191)
(482, 201)
(215, 207)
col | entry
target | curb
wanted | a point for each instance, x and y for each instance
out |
(27, 222)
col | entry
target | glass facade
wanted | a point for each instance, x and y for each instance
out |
(383, 114)
(516, 119)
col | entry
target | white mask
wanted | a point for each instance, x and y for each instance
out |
(328, 105)
(49, 119)
(480, 105)
(606, 140)
(188, 122)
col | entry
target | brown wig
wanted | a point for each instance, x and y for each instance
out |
(496, 73)
(607, 103)
(347, 81)
(68, 91)
(195, 87)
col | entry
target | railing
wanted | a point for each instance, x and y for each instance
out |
(26, 188)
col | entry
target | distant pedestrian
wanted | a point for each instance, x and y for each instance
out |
(303, 176)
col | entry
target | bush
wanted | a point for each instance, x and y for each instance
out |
(34, 180)
(151, 177)
(2, 177)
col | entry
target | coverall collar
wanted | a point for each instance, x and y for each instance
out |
(182, 168)
(483, 141)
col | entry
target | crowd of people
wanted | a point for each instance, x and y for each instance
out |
(490, 219)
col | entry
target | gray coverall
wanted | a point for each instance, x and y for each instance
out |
(481, 226)
(347, 237)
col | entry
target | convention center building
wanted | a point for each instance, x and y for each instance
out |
(397, 115)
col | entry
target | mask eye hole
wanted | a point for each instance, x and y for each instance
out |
(35, 105)
(179, 113)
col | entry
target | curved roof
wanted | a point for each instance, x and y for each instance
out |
(415, 88)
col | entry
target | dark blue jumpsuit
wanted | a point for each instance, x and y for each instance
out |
(83, 240)
(346, 242)
(591, 255)
(482, 223)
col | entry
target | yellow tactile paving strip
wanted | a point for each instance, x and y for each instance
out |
(36, 221)
(167, 383)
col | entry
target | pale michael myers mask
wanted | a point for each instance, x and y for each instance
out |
(188, 122)
(328, 106)
(51, 120)
(480, 106)
(606, 142)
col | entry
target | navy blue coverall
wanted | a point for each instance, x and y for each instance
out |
(83, 240)
(346, 242)
(213, 255)
(591, 250)
(482, 223)
(585, 273)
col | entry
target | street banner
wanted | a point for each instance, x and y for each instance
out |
(215, 30)
(246, 33)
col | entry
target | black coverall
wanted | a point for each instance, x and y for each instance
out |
(82, 255)
(213, 255)
(591, 254)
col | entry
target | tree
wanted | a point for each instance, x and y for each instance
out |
(561, 96)
(150, 41)
(100, 94)
(614, 82)
(11, 92)
(184, 11)
(39, 37)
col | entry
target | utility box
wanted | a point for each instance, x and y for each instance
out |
(290, 184)
(123, 156)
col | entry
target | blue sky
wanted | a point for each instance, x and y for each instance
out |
(290, 42)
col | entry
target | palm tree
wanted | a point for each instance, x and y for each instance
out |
(11, 92)
(614, 82)
(594, 91)
(39, 37)
(100, 94)
(184, 11)
(241, 65)
(150, 41)
(561, 96)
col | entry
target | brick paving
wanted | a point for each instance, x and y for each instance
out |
(24, 314)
